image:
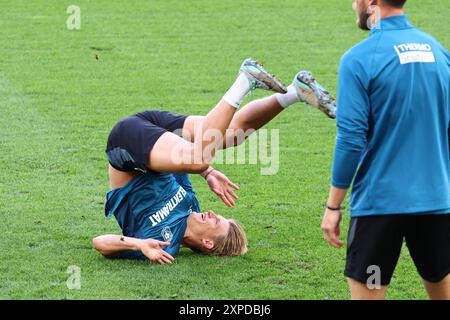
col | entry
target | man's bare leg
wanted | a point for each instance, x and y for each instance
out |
(172, 153)
(203, 138)
(216, 122)
(440, 290)
(360, 291)
(118, 179)
(252, 116)
(256, 114)
(223, 119)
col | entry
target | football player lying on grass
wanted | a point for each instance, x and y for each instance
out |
(151, 154)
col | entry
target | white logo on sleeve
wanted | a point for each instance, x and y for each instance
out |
(415, 53)
(167, 234)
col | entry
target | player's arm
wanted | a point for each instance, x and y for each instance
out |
(332, 217)
(353, 127)
(112, 245)
(221, 186)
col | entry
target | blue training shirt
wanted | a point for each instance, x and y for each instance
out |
(153, 205)
(393, 122)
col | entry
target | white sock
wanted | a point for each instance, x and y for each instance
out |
(289, 98)
(238, 91)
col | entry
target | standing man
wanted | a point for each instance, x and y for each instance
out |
(393, 141)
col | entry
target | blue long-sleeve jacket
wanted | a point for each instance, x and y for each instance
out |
(393, 122)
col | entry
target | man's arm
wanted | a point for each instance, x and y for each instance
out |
(112, 245)
(221, 186)
(352, 122)
(353, 126)
(332, 217)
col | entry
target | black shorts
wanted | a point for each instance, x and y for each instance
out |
(377, 241)
(132, 139)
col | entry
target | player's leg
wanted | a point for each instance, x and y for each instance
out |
(209, 137)
(313, 93)
(248, 119)
(208, 134)
(143, 142)
(373, 249)
(119, 179)
(252, 117)
(202, 137)
(439, 290)
(171, 153)
(151, 140)
(428, 242)
(360, 291)
(304, 88)
(258, 113)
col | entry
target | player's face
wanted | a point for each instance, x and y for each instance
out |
(361, 9)
(208, 225)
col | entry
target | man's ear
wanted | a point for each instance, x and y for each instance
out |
(208, 244)
(374, 2)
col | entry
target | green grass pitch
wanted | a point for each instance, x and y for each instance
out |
(58, 103)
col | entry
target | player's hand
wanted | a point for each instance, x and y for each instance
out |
(152, 250)
(222, 186)
(331, 228)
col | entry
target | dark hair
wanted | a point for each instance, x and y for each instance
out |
(395, 3)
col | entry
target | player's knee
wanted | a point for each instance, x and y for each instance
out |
(99, 245)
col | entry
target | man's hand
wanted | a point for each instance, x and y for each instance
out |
(152, 250)
(221, 185)
(331, 227)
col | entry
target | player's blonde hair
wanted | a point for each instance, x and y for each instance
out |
(234, 243)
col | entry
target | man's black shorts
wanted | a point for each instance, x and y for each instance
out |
(377, 241)
(132, 139)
